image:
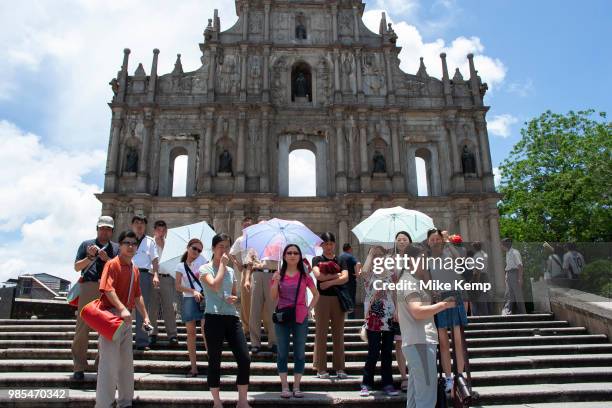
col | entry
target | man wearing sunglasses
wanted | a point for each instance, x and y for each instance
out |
(120, 287)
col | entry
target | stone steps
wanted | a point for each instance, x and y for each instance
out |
(520, 359)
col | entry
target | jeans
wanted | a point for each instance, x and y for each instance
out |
(380, 344)
(217, 329)
(299, 332)
(146, 288)
(422, 381)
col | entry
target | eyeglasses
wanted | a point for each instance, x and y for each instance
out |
(198, 250)
(292, 253)
(129, 243)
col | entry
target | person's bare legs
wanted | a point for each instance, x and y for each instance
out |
(445, 351)
(459, 349)
(191, 345)
(216, 398)
(296, 382)
(243, 391)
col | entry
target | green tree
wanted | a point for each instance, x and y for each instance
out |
(557, 181)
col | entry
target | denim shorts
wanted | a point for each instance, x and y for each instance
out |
(191, 310)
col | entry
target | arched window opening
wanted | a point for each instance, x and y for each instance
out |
(178, 174)
(302, 173)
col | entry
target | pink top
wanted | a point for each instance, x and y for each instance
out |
(286, 295)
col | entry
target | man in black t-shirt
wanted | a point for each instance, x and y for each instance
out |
(354, 268)
(328, 308)
(90, 260)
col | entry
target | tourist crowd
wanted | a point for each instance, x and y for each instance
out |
(229, 297)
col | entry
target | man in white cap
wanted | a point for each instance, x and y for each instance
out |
(90, 260)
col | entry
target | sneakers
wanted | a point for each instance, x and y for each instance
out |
(390, 391)
(324, 375)
(365, 391)
(78, 376)
(448, 384)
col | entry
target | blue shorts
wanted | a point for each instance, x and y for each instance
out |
(191, 310)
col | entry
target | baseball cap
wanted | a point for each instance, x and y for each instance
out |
(106, 221)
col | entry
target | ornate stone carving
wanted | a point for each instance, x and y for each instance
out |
(347, 72)
(373, 76)
(300, 27)
(255, 23)
(278, 80)
(228, 74)
(255, 74)
(345, 23)
(324, 82)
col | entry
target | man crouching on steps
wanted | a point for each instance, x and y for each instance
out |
(120, 287)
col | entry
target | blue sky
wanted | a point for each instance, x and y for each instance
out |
(56, 60)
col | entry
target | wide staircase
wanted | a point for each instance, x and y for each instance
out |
(521, 361)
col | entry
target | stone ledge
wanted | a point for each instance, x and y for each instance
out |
(582, 309)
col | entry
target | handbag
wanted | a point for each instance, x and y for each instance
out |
(105, 322)
(346, 303)
(73, 295)
(286, 315)
(190, 274)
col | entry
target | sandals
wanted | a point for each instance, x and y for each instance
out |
(191, 374)
(324, 375)
(298, 394)
(286, 394)
(341, 375)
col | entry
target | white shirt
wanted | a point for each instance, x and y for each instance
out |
(146, 253)
(513, 259)
(239, 252)
(195, 268)
(573, 261)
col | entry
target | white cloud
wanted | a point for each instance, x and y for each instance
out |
(45, 201)
(302, 174)
(405, 7)
(491, 70)
(496, 176)
(521, 88)
(78, 45)
(500, 125)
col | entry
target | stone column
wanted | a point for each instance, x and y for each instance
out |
(496, 258)
(143, 163)
(123, 80)
(446, 81)
(363, 154)
(341, 186)
(464, 227)
(485, 153)
(343, 232)
(245, 22)
(337, 84)
(360, 95)
(334, 14)
(389, 71)
(267, 20)
(110, 179)
(398, 178)
(204, 178)
(474, 82)
(240, 154)
(243, 71)
(412, 174)
(212, 69)
(266, 72)
(457, 177)
(153, 77)
(264, 181)
(356, 23)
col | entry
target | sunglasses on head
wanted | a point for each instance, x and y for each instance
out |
(198, 250)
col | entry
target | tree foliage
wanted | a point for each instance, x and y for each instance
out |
(557, 181)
